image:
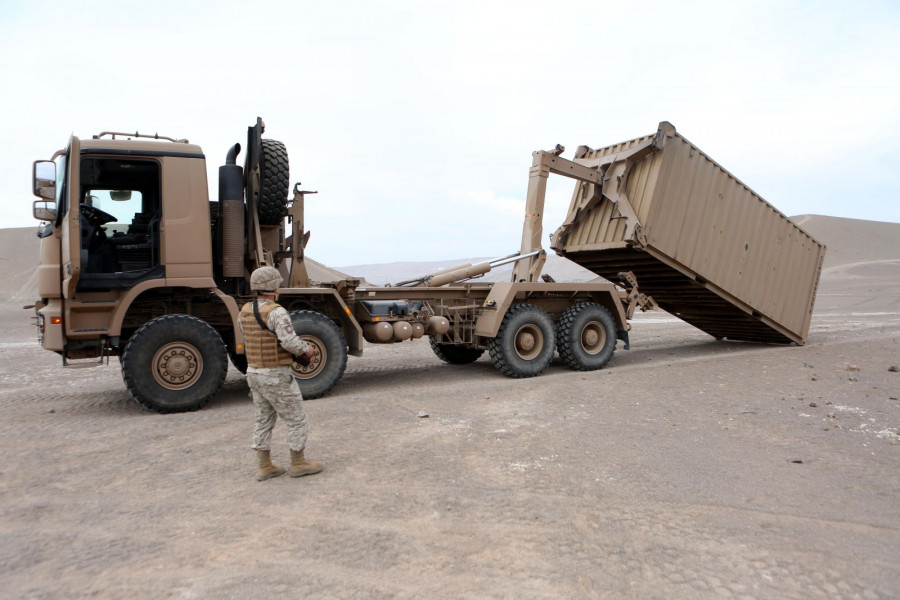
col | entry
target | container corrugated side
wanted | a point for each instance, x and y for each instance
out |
(711, 250)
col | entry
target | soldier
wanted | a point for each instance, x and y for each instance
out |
(271, 345)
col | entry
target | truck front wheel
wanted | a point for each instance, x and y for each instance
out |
(586, 336)
(174, 363)
(327, 367)
(524, 344)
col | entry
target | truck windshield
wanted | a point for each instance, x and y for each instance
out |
(122, 204)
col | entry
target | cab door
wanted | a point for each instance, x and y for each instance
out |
(71, 221)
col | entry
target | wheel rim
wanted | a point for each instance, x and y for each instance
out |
(529, 341)
(593, 338)
(177, 366)
(316, 364)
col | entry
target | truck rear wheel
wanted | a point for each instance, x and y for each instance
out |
(274, 174)
(327, 367)
(586, 337)
(174, 363)
(455, 354)
(524, 344)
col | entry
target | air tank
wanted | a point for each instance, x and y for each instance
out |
(378, 333)
(402, 331)
(437, 326)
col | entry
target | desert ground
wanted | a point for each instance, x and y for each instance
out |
(688, 468)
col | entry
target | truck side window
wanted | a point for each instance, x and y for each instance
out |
(62, 187)
(120, 210)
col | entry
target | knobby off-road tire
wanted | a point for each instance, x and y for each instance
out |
(586, 336)
(525, 342)
(274, 174)
(174, 363)
(454, 354)
(326, 369)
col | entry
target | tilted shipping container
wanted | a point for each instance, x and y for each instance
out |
(705, 246)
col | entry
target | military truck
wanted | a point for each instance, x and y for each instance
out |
(138, 263)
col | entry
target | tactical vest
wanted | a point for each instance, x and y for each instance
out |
(261, 345)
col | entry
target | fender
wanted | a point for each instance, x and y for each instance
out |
(504, 294)
(291, 297)
(198, 284)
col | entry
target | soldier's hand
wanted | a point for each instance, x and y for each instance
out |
(311, 351)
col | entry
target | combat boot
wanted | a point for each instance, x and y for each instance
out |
(300, 466)
(266, 469)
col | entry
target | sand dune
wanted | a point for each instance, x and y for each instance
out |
(852, 240)
(862, 263)
(19, 255)
(561, 269)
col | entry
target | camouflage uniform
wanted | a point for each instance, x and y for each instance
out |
(274, 390)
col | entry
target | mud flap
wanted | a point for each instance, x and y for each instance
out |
(623, 335)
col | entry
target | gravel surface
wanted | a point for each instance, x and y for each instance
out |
(688, 468)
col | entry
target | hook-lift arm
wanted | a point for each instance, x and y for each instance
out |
(299, 276)
(607, 175)
(543, 163)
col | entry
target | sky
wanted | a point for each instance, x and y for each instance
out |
(415, 121)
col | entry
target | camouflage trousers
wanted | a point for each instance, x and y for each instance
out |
(275, 394)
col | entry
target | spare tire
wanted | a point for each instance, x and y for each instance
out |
(274, 177)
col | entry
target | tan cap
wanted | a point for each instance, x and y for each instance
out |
(265, 279)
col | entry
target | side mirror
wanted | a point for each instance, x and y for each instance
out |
(44, 210)
(43, 177)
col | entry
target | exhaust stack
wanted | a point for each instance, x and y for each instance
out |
(231, 198)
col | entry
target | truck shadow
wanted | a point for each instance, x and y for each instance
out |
(380, 378)
(376, 379)
(364, 379)
(681, 352)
